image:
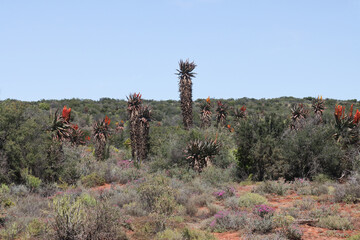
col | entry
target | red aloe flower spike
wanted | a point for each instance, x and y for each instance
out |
(66, 113)
(356, 117)
(243, 108)
(107, 120)
(208, 100)
(351, 111)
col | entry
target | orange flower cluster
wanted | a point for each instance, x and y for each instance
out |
(107, 120)
(339, 111)
(66, 113)
(356, 117)
(88, 138)
(76, 127)
(208, 100)
(351, 111)
(137, 96)
(243, 108)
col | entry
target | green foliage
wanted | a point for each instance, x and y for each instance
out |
(78, 218)
(249, 200)
(335, 223)
(278, 187)
(31, 181)
(258, 146)
(92, 180)
(156, 196)
(311, 151)
(36, 228)
(10, 232)
(193, 234)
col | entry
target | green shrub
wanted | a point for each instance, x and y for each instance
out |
(249, 200)
(321, 178)
(92, 180)
(36, 228)
(292, 232)
(335, 223)
(311, 151)
(282, 220)
(305, 204)
(229, 220)
(277, 187)
(78, 218)
(10, 232)
(156, 195)
(31, 181)
(349, 192)
(216, 176)
(193, 234)
(169, 234)
(354, 237)
(258, 146)
(261, 225)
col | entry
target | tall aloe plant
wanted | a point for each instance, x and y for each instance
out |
(221, 113)
(134, 109)
(185, 73)
(101, 133)
(205, 114)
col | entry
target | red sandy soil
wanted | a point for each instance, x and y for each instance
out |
(310, 232)
(227, 235)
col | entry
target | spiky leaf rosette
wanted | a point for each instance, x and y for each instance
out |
(240, 113)
(76, 135)
(318, 105)
(221, 113)
(134, 104)
(298, 111)
(347, 126)
(61, 129)
(298, 114)
(185, 73)
(199, 153)
(101, 129)
(205, 113)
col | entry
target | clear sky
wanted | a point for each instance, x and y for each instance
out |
(243, 48)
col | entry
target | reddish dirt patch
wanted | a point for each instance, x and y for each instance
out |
(227, 236)
(311, 233)
(279, 202)
(243, 189)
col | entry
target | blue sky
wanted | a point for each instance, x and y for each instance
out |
(243, 48)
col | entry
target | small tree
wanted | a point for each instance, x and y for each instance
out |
(205, 114)
(144, 139)
(134, 110)
(221, 114)
(140, 118)
(185, 87)
(101, 133)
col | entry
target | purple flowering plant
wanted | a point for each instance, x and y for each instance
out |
(222, 194)
(263, 210)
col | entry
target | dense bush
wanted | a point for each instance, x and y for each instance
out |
(258, 146)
